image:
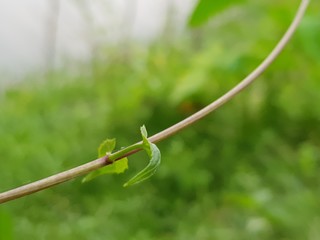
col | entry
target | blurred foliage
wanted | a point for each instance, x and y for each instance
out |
(206, 9)
(248, 171)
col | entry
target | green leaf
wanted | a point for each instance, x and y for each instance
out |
(117, 167)
(146, 142)
(106, 147)
(144, 132)
(208, 8)
(155, 160)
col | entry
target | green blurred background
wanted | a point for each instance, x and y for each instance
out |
(248, 171)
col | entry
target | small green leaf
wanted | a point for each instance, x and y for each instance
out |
(144, 132)
(146, 142)
(117, 167)
(106, 147)
(155, 160)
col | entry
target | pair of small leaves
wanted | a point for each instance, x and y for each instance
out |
(106, 148)
(121, 165)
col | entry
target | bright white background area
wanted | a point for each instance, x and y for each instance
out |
(32, 31)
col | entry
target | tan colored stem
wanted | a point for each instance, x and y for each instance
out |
(51, 181)
(242, 85)
(98, 163)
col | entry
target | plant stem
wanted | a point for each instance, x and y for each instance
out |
(98, 163)
(53, 180)
(122, 152)
(242, 85)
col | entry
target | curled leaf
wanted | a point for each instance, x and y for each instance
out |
(155, 160)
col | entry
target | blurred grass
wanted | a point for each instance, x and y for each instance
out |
(248, 171)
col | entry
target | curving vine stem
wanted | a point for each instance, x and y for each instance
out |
(98, 163)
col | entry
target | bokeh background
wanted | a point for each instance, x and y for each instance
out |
(248, 171)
